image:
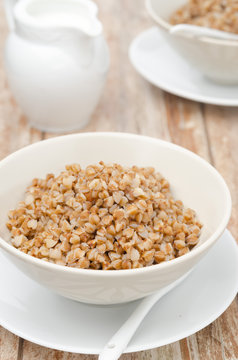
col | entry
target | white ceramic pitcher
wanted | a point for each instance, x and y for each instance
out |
(56, 61)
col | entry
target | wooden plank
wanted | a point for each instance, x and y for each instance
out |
(8, 345)
(222, 129)
(35, 352)
(186, 125)
(229, 331)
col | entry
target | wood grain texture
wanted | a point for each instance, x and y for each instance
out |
(131, 104)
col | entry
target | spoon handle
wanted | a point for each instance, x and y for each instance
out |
(200, 31)
(119, 341)
(117, 344)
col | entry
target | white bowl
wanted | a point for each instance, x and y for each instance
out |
(192, 180)
(215, 58)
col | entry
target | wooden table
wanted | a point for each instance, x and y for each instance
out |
(131, 104)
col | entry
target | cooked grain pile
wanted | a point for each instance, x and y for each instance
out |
(217, 14)
(103, 217)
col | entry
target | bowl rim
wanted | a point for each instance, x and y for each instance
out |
(165, 25)
(132, 272)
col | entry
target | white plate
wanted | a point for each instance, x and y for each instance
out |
(36, 314)
(157, 62)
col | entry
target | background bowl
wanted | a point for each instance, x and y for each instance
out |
(215, 58)
(192, 180)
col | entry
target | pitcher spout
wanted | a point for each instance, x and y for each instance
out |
(51, 15)
(70, 24)
(89, 24)
(93, 27)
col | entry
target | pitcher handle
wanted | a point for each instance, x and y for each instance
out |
(8, 6)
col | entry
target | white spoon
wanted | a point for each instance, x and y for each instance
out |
(200, 31)
(119, 341)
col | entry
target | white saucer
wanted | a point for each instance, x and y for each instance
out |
(157, 62)
(36, 314)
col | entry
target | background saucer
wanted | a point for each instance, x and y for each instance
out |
(157, 62)
(36, 314)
